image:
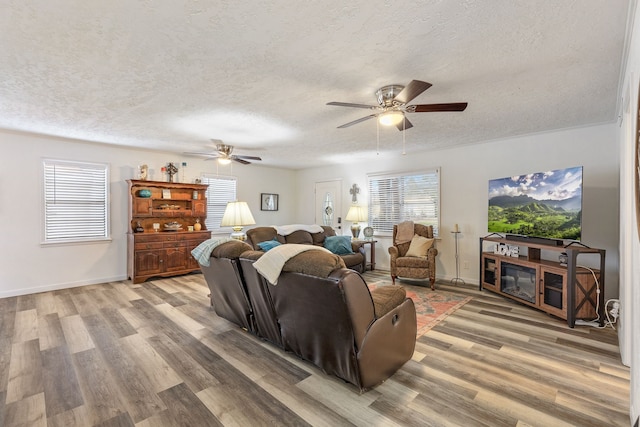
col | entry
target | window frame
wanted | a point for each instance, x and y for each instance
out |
(214, 226)
(399, 216)
(52, 235)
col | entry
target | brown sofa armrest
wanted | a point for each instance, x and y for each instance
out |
(388, 344)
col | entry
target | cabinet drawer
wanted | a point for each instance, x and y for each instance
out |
(148, 245)
(154, 237)
(174, 244)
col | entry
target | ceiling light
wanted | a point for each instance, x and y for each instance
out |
(391, 118)
(224, 160)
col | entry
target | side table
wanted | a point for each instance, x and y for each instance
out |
(371, 264)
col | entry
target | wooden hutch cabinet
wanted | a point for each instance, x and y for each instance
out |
(568, 290)
(165, 251)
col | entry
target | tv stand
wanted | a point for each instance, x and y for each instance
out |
(569, 292)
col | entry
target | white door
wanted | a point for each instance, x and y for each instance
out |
(328, 204)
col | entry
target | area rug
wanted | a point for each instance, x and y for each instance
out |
(432, 307)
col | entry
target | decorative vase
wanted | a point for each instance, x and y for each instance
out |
(144, 193)
(197, 226)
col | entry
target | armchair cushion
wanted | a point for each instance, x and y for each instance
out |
(419, 246)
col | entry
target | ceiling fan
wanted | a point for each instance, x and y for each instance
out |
(392, 105)
(224, 156)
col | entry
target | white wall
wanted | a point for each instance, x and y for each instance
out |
(629, 322)
(26, 266)
(465, 173)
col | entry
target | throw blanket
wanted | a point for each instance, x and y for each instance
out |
(285, 230)
(270, 264)
(202, 252)
(404, 233)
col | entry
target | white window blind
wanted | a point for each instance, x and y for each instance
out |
(76, 204)
(221, 191)
(410, 196)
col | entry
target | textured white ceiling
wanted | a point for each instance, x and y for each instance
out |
(171, 75)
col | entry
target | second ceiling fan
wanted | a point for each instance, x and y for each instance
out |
(392, 105)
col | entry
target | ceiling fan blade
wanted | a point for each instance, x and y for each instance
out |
(362, 119)
(247, 157)
(348, 104)
(425, 108)
(410, 91)
(404, 125)
(212, 155)
(237, 159)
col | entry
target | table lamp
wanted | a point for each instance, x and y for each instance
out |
(237, 215)
(356, 214)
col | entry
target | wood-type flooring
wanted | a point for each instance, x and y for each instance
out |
(155, 354)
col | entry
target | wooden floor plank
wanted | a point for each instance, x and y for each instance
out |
(61, 388)
(50, 333)
(26, 326)
(76, 335)
(27, 412)
(25, 371)
(102, 397)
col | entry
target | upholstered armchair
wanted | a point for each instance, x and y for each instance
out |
(414, 267)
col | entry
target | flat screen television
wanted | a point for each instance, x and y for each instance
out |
(543, 204)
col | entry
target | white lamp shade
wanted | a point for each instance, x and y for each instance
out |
(237, 214)
(357, 214)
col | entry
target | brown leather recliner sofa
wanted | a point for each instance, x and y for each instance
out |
(319, 310)
(355, 261)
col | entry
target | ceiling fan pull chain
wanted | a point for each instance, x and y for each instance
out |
(403, 137)
(377, 138)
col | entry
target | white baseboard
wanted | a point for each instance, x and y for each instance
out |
(58, 286)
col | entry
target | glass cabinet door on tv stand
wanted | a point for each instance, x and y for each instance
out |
(568, 291)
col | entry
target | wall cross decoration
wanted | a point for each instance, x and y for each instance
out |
(354, 190)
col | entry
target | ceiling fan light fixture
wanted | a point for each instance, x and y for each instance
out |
(391, 118)
(224, 160)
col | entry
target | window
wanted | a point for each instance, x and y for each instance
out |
(221, 191)
(405, 196)
(75, 201)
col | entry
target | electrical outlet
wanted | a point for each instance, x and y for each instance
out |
(465, 265)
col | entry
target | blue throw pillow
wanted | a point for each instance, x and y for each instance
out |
(339, 245)
(269, 244)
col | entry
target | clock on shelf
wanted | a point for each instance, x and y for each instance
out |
(368, 232)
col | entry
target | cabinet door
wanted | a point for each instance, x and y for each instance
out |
(199, 207)
(489, 272)
(148, 262)
(141, 206)
(553, 291)
(175, 259)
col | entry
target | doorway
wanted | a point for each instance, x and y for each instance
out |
(328, 207)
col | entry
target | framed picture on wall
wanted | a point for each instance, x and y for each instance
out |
(268, 202)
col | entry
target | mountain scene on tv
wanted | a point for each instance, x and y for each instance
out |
(544, 204)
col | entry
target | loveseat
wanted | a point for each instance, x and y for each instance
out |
(318, 310)
(353, 254)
